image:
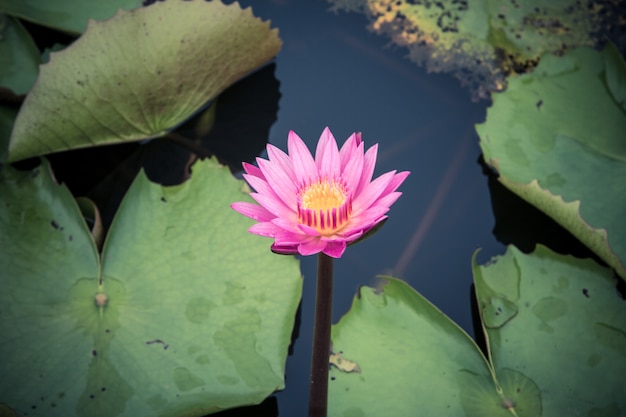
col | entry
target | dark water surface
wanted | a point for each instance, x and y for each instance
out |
(334, 72)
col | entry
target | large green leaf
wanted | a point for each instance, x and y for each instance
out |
(411, 358)
(19, 57)
(555, 327)
(66, 15)
(556, 137)
(186, 313)
(560, 321)
(139, 75)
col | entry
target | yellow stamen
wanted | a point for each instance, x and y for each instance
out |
(325, 206)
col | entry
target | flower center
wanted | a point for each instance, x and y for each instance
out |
(325, 206)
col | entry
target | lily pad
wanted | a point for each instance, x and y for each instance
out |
(413, 360)
(19, 57)
(139, 75)
(556, 138)
(65, 15)
(184, 312)
(569, 333)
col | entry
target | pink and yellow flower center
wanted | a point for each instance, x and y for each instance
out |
(324, 205)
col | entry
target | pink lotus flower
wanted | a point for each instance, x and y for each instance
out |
(318, 205)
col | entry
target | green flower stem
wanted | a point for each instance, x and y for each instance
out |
(318, 390)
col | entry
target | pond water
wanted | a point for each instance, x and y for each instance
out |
(334, 72)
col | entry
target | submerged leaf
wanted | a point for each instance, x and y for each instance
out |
(556, 137)
(185, 314)
(139, 75)
(481, 42)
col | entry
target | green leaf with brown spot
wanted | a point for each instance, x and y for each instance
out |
(556, 138)
(183, 313)
(556, 337)
(139, 75)
(411, 358)
(569, 333)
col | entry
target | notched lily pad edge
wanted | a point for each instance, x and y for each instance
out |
(25, 139)
(596, 239)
